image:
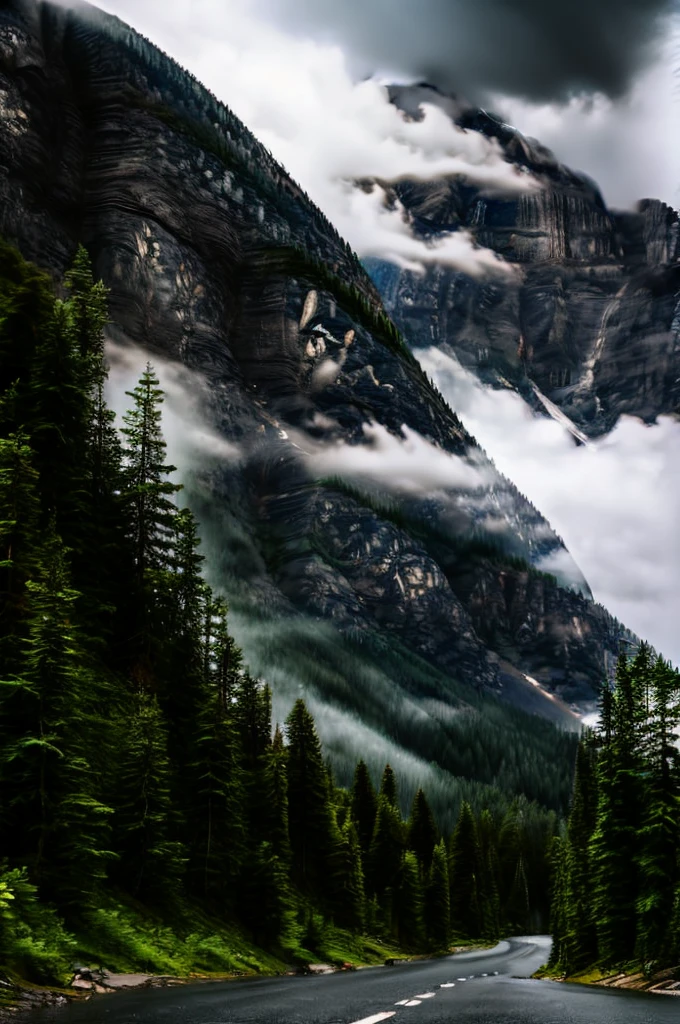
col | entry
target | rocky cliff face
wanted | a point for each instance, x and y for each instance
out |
(386, 607)
(590, 316)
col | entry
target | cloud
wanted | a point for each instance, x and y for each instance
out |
(187, 432)
(630, 145)
(615, 502)
(328, 130)
(539, 49)
(377, 230)
(407, 464)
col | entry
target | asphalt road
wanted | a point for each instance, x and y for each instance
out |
(491, 987)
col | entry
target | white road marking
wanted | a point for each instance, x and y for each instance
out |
(402, 1002)
(413, 1002)
(462, 979)
(448, 984)
(426, 995)
(495, 973)
(485, 975)
(376, 1017)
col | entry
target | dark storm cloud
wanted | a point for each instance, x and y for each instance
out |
(538, 49)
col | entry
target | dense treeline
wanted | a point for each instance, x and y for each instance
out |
(617, 865)
(137, 754)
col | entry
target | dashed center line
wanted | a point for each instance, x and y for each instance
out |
(376, 1017)
(416, 1001)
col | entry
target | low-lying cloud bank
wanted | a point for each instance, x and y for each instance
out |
(408, 464)
(616, 502)
(329, 130)
(188, 434)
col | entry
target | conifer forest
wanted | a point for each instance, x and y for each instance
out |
(338, 512)
(151, 810)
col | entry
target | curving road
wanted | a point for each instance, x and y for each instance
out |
(490, 987)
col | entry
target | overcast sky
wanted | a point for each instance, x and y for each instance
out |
(594, 79)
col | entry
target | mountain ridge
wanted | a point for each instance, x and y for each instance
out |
(590, 319)
(106, 141)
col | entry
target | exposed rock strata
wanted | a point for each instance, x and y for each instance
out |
(215, 259)
(592, 314)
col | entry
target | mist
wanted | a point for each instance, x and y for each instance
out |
(615, 502)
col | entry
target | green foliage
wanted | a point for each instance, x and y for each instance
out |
(438, 899)
(464, 872)
(33, 940)
(144, 796)
(617, 871)
(422, 831)
(363, 807)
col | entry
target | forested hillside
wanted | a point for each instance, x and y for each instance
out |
(401, 613)
(151, 815)
(616, 899)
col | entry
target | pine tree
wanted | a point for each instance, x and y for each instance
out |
(464, 873)
(148, 490)
(363, 806)
(613, 847)
(385, 858)
(52, 763)
(579, 925)
(310, 823)
(489, 899)
(148, 506)
(277, 787)
(659, 834)
(19, 540)
(214, 786)
(346, 883)
(422, 832)
(151, 860)
(403, 914)
(388, 786)
(437, 899)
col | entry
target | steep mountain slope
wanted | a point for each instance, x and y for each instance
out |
(590, 319)
(400, 612)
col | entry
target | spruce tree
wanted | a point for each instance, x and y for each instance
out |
(58, 822)
(346, 884)
(488, 888)
(437, 899)
(579, 919)
(388, 786)
(385, 857)
(20, 540)
(363, 806)
(151, 859)
(659, 833)
(310, 821)
(613, 846)
(403, 913)
(148, 489)
(152, 516)
(422, 832)
(464, 874)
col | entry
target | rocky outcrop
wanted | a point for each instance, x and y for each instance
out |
(215, 259)
(590, 315)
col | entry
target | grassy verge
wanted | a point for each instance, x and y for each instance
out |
(122, 937)
(629, 976)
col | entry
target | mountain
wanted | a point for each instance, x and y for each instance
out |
(403, 613)
(590, 320)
